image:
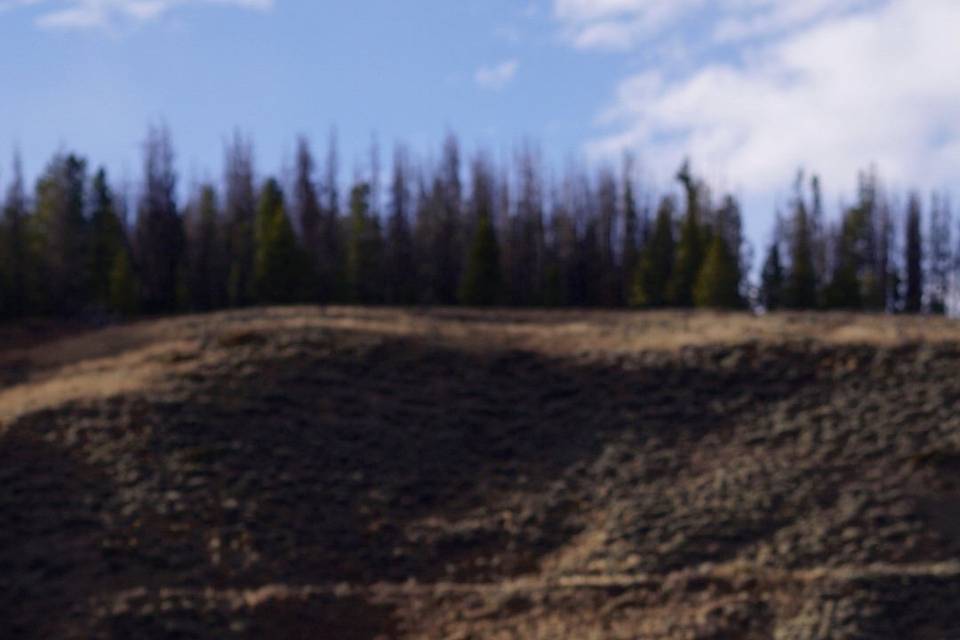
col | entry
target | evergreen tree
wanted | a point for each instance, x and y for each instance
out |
(279, 263)
(885, 297)
(107, 238)
(15, 263)
(654, 270)
(6, 307)
(896, 290)
(718, 283)
(481, 278)
(331, 261)
(269, 204)
(772, 279)
(821, 257)
(59, 238)
(524, 247)
(872, 252)
(307, 211)
(425, 231)
(239, 213)
(577, 245)
(400, 268)
(801, 286)
(729, 224)
(630, 250)
(554, 286)
(913, 302)
(690, 248)
(588, 267)
(363, 249)
(124, 291)
(856, 281)
(448, 243)
(207, 271)
(608, 280)
(159, 232)
(439, 230)
(940, 255)
(844, 290)
(563, 249)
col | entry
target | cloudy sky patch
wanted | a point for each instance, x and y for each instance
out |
(497, 77)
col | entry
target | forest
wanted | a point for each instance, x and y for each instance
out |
(449, 231)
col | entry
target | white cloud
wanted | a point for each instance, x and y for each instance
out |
(498, 76)
(875, 87)
(616, 24)
(624, 24)
(768, 18)
(93, 14)
(9, 5)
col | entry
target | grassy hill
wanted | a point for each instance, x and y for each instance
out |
(368, 473)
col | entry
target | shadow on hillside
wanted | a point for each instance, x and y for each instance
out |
(49, 539)
(369, 460)
(344, 457)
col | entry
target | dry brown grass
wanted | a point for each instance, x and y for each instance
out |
(124, 358)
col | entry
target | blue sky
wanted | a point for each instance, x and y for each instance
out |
(409, 71)
(751, 89)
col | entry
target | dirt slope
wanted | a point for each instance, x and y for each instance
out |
(345, 473)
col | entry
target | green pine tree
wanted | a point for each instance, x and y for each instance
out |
(940, 261)
(655, 265)
(206, 277)
(772, 279)
(59, 237)
(364, 249)
(913, 302)
(15, 255)
(159, 235)
(553, 290)
(124, 292)
(801, 286)
(239, 224)
(481, 279)
(718, 284)
(845, 290)
(279, 264)
(629, 251)
(6, 275)
(690, 248)
(106, 238)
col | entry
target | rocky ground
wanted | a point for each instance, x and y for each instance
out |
(339, 473)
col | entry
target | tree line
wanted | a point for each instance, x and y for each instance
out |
(446, 232)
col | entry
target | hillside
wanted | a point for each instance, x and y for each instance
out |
(357, 473)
